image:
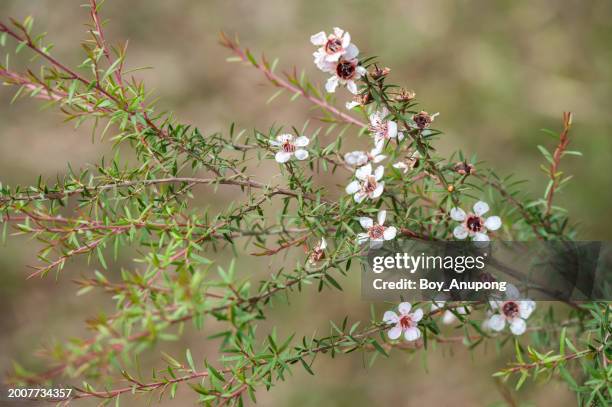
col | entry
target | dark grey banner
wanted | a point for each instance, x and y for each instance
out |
(415, 270)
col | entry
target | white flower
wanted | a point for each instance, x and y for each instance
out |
(367, 184)
(359, 158)
(377, 233)
(411, 161)
(352, 104)
(332, 47)
(344, 72)
(405, 322)
(448, 317)
(288, 146)
(383, 129)
(473, 224)
(513, 310)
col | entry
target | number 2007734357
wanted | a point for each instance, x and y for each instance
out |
(37, 393)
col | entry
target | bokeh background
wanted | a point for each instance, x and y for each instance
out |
(497, 71)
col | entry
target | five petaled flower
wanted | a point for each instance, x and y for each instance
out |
(367, 184)
(288, 146)
(512, 310)
(406, 322)
(359, 158)
(377, 233)
(332, 47)
(345, 72)
(473, 224)
(383, 129)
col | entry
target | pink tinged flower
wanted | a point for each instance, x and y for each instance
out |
(332, 47)
(344, 72)
(515, 313)
(376, 233)
(513, 310)
(367, 184)
(359, 158)
(474, 224)
(405, 322)
(383, 129)
(289, 146)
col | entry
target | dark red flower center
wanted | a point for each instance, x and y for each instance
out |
(422, 120)
(474, 223)
(346, 69)
(376, 232)
(406, 322)
(510, 309)
(333, 45)
(288, 147)
(370, 185)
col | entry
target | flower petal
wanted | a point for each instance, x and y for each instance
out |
(379, 172)
(382, 215)
(390, 233)
(394, 332)
(378, 148)
(493, 222)
(301, 141)
(352, 104)
(390, 317)
(518, 326)
(282, 157)
(412, 334)
(526, 307)
(363, 172)
(401, 166)
(362, 238)
(319, 38)
(346, 39)
(448, 317)
(378, 158)
(460, 232)
(283, 138)
(360, 196)
(480, 208)
(404, 308)
(356, 158)
(376, 243)
(352, 87)
(351, 51)
(417, 315)
(391, 129)
(366, 222)
(512, 293)
(496, 322)
(378, 191)
(480, 237)
(457, 214)
(353, 187)
(331, 84)
(301, 154)
(323, 244)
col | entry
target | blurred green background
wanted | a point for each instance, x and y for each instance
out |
(497, 71)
